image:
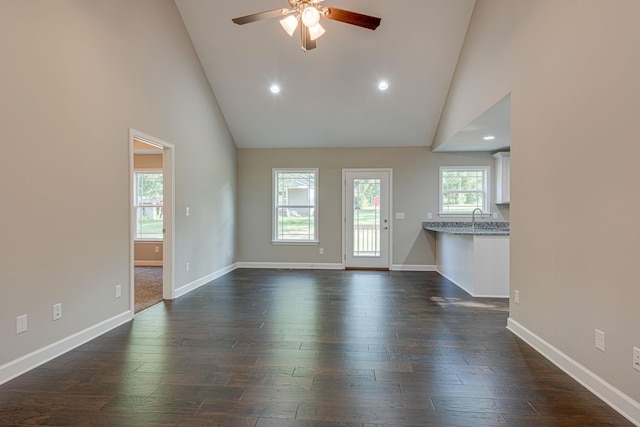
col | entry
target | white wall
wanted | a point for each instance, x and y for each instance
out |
(483, 75)
(572, 69)
(415, 192)
(74, 77)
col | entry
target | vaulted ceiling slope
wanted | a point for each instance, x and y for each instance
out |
(329, 96)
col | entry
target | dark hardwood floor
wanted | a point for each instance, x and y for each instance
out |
(308, 348)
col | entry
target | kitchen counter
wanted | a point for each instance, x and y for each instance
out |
(481, 228)
(474, 258)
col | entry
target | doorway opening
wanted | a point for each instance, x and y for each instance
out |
(151, 260)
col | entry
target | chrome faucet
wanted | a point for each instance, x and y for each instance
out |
(473, 217)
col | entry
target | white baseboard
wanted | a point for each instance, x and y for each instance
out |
(625, 405)
(408, 267)
(292, 265)
(145, 263)
(185, 289)
(326, 266)
(36, 358)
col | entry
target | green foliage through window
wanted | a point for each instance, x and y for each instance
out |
(462, 189)
(295, 205)
(148, 200)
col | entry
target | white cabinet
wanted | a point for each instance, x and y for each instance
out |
(503, 177)
(477, 264)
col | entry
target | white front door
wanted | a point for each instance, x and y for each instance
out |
(367, 221)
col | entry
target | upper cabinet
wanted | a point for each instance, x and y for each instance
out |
(503, 175)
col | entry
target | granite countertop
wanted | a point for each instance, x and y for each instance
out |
(481, 228)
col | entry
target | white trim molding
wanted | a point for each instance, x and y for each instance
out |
(185, 289)
(292, 265)
(147, 263)
(326, 266)
(17, 367)
(408, 267)
(625, 405)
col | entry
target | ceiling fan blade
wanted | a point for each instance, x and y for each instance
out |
(307, 43)
(260, 16)
(353, 18)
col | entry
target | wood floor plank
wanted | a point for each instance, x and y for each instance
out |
(265, 348)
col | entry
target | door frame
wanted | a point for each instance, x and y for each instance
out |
(168, 212)
(344, 211)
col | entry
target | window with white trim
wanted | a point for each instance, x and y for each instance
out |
(295, 210)
(147, 202)
(463, 189)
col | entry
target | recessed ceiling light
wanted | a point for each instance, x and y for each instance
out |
(274, 89)
(383, 85)
(489, 138)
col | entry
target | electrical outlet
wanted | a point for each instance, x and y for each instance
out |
(636, 358)
(57, 311)
(429, 215)
(21, 324)
(157, 248)
(495, 215)
(187, 211)
(118, 291)
(321, 251)
(187, 266)
(600, 342)
(399, 215)
(516, 296)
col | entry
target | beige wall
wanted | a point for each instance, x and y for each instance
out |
(74, 77)
(415, 192)
(572, 69)
(147, 161)
(147, 254)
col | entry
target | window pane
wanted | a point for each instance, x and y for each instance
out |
(295, 205)
(296, 188)
(149, 189)
(148, 205)
(149, 222)
(295, 224)
(463, 190)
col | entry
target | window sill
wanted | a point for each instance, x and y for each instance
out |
(464, 215)
(295, 242)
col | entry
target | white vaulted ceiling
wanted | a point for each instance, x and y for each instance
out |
(329, 95)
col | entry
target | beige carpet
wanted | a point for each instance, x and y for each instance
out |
(148, 287)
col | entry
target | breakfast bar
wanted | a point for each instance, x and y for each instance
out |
(474, 257)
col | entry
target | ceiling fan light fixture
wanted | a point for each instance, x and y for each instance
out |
(290, 23)
(310, 16)
(316, 31)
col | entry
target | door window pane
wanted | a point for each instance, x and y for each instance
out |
(366, 217)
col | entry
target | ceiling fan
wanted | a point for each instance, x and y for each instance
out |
(310, 12)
